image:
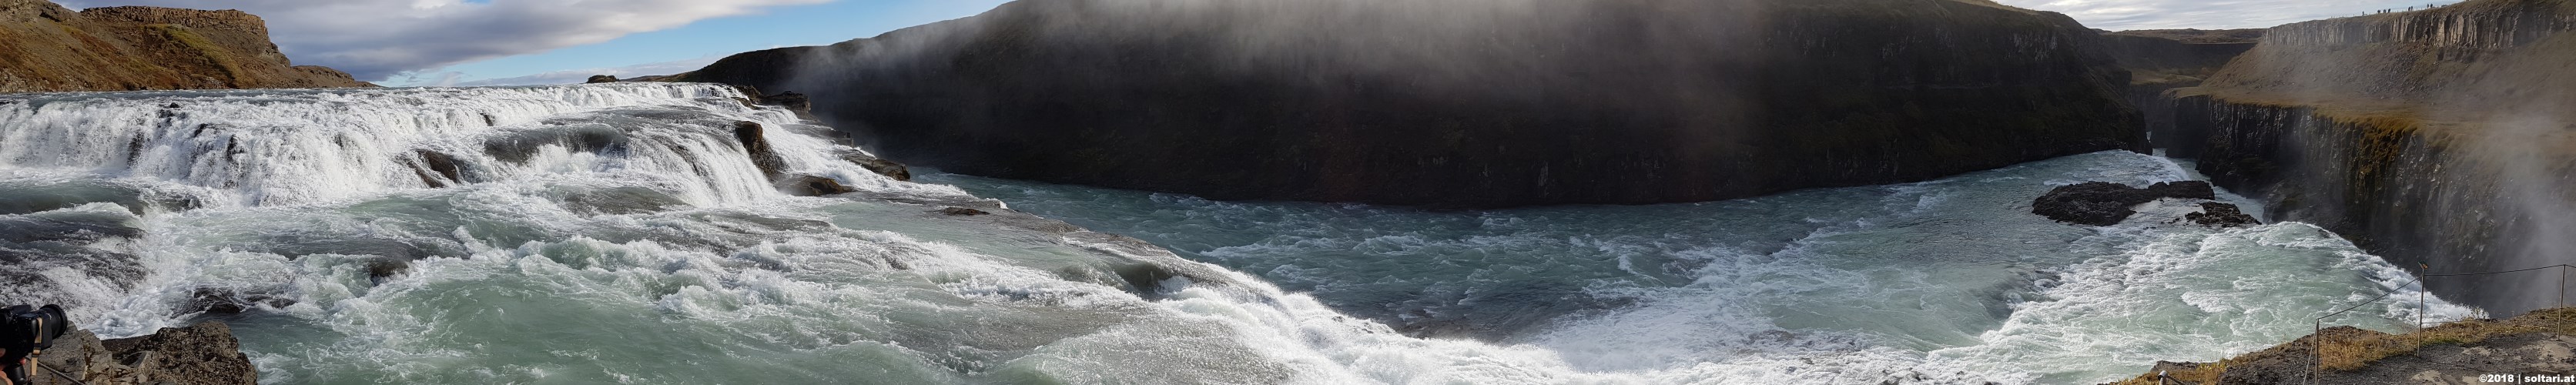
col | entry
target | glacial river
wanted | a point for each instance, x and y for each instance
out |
(621, 233)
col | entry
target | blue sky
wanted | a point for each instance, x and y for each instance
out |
(492, 42)
(695, 45)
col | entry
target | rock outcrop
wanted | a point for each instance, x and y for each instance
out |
(596, 79)
(812, 186)
(2437, 137)
(2221, 215)
(1469, 104)
(205, 354)
(2106, 203)
(888, 168)
(2542, 343)
(52, 48)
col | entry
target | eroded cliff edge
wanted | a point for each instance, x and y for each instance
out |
(52, 48)
(2434, 138)
(1469, 104)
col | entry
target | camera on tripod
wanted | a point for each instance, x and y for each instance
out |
(26, 331)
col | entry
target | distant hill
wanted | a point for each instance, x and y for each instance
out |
(1469, 104)
(46, 47)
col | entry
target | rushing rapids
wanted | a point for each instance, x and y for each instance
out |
(630, 233)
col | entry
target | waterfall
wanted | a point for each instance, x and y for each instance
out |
(306, 146)
(637, 233)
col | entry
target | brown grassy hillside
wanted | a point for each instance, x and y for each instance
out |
(52, 48)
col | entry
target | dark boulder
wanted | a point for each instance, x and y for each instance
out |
(594, 79)
(811, 186)
(962, 212)
(888, 168)
(756, 144)
(1565, 102)
(2106, 203)
(205, 354)
(2221, 215)
(790, 100)
(437, 169)
(231, 301)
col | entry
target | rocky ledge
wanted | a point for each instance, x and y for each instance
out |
(2540, 343)
(52, 48)
(205, 354)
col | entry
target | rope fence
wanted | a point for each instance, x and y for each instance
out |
(2316, 337)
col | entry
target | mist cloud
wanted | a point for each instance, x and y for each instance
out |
(378, 39)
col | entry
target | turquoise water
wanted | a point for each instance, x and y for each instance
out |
(1950, 274)
(618, 234)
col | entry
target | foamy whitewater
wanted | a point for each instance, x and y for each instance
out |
(620, 233)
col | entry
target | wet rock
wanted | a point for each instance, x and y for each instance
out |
(435, 165)
(595, 79)
(962, 212)
(205, 354)
(386, 268)
(2106, 203)
(757, 145)
(888, 168)
(811, 186)
(211, 300)
(2221, 215)
(790, 100)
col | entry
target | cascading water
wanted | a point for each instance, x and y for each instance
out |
(626, 233)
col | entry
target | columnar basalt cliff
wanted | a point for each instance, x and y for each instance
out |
(2436, 137)
(52, 48)
(1469, 104)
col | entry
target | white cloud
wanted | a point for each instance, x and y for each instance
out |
(379, 39)
(582, 75)
(2209, 14)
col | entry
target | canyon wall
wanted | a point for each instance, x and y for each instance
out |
(1469, 104)
(2437, 138)
(2163, 60)
(52, 48)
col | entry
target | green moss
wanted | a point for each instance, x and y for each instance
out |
(203, 48)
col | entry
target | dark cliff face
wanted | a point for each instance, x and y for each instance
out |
(1469, 103)
(2437, 137)
(51, 48)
